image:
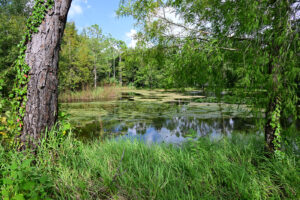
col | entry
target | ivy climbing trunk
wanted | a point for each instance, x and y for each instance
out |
(280, 20)
(42, 57)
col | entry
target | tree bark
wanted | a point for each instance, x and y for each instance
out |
(120, 70)
(42, 55)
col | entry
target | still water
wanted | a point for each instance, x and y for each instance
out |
(156, 116)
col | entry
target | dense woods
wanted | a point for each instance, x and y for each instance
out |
(215, 55)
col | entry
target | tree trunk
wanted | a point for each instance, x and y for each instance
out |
(269, 129)
(95, 77)
(42, 56)
(275, 70)
(120, 70)
(95, 73)
(114, 65)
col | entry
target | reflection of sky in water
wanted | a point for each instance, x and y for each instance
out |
(154, 136)
(168, 133)
(157, 123)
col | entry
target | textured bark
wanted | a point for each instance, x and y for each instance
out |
(42, 56)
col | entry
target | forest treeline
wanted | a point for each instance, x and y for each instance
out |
(195, 58)
(86, 57)
(90, 58)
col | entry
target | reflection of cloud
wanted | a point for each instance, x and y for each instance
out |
(77, 7)
(131, 36)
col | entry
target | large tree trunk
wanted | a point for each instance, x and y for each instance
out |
(42, 57)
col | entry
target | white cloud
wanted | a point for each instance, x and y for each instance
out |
(175, 22)
(131, 38)
(77, 7)
(75, 10)
(81, 1)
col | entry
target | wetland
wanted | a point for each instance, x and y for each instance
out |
(159, 116)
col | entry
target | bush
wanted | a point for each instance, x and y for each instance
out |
(21, 179)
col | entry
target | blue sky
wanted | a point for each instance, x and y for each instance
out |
(88, 12)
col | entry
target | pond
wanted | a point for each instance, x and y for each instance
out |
(158, 116)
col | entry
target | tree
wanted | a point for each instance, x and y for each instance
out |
(15, 7)
(121, 48)
(113, 54)
(69, 73)
(13, 15)
(86, 58)
(96, 45)
(42, 57)
(249, 45)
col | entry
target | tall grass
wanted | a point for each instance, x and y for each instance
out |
(227, 169)
(91, 94)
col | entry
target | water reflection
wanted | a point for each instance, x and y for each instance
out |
(157, 122)
(179, 129)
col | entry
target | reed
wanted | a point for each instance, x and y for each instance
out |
(90, 94)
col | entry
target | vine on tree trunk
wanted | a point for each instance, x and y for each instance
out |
(275, 124)
(12, 124)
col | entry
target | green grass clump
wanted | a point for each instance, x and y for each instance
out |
(227, 169)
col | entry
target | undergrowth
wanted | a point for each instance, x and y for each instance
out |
(65, 168)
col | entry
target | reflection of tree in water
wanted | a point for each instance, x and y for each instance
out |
(161, 121)
(182, 125)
